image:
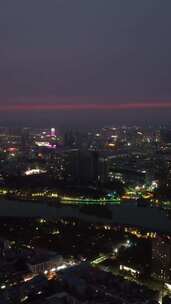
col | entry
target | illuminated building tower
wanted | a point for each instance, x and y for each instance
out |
(53, 132)
(161, 258)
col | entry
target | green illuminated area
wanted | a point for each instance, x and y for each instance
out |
(54, 196)
(99, 260)
(82, 198)
(89, 201)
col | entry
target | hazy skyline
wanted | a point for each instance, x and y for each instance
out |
(58, 53)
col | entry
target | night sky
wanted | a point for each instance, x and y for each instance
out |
(85, 62)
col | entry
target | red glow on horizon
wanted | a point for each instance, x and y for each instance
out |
(84, 106)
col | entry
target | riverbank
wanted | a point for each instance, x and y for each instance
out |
(152, 219)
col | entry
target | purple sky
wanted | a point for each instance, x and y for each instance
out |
(82, 52)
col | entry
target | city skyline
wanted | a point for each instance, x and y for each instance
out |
(85, 152)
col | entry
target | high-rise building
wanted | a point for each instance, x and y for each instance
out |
(69, 139)
(88, 166)
(25, 142)
(81, 166)
(161, 258)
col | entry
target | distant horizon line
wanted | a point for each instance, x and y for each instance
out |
(85, 106)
